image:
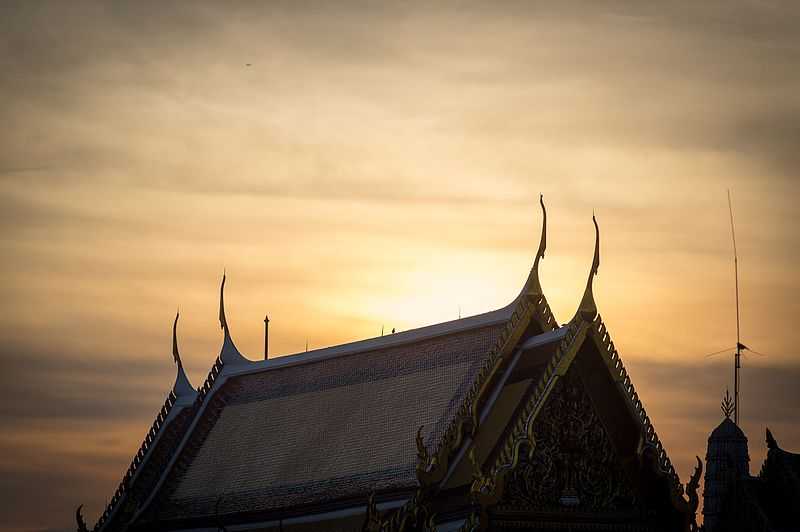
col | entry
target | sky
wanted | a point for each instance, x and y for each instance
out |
(354, 166)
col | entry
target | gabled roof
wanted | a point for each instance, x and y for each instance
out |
(585, 326)
(579, 331)
(331, 423)
(325, 428)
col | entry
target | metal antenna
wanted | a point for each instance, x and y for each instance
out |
(738, 357)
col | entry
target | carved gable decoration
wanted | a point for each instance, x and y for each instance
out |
(574, 465)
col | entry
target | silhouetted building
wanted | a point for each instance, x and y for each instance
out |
(734, 501)
(726, 458)
(499, 421)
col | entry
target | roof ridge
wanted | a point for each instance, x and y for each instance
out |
(402, 338)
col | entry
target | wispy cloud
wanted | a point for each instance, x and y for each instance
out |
(360, 164)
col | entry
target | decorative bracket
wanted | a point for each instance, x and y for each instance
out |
(691, 494)
(423, 458)
(373, 521)
(79, 519)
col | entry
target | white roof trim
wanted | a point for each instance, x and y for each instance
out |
(381, 342)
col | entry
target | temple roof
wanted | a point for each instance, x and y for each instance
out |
(331, 424)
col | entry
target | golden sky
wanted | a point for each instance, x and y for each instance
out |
(354, 166)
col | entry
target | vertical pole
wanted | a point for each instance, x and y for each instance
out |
(736, 384)
(266, 337)
(737, 362)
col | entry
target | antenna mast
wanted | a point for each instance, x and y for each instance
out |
(738, 356)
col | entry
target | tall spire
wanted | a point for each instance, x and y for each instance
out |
(532, 286)
(223, 323)
(588, 309)
(182, 388)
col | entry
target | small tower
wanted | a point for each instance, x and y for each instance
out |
(726, 459)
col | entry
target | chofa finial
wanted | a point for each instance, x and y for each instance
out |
(175, 354)
(588, 309)
(543, 239)
(229, 354)
(223, 323)
(533, 287)
(727, 406)
(183, 390)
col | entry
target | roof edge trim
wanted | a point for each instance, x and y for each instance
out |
(426, 332)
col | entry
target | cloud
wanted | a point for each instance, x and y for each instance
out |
(380, 164)
(56, 386)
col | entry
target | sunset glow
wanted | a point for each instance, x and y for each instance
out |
(380, 167)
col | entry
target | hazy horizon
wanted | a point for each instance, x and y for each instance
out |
(365, 166)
